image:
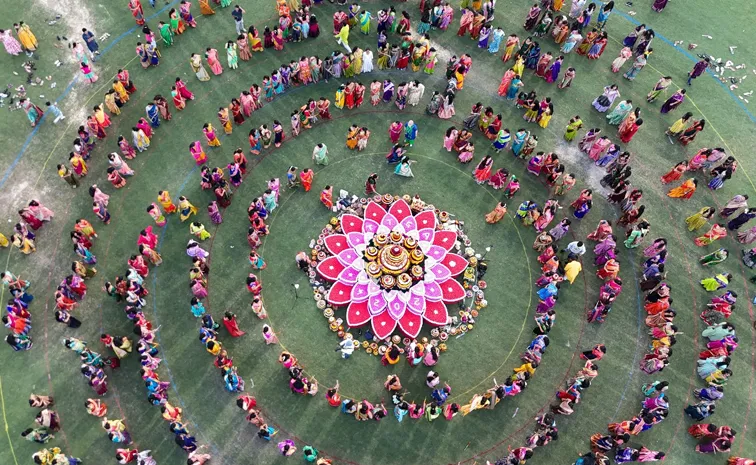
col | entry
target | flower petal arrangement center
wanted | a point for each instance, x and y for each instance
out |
(393, 266)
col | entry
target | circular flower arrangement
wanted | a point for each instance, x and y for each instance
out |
(394, 266)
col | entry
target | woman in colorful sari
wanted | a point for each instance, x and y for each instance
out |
(483, 170)
(497, 214)
(186, 15)
(177, 26)
(166, 33)
(185, 209)
(195, 61)
(211, 55)
(509, 47)
(661, 85)
(699, 219)
(365, 17)
(638, 64)
(278, 38)
(320, 153)
(306, 177)
(225, 121)
(685, 191)
(153, 114)
(198, 153)
(33, 112)
(404, 168)
(689, 134)
(674, 101)
(620, 112)
(255, 43)
(136, 11)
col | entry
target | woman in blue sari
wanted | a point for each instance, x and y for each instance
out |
(518, 141)
(533, 56)
(153, 114)
(513, 86)
(496, 37)
(153, 54)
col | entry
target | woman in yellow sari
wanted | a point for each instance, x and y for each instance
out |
(340, 97)
(205, 8)
(102, 118)
(255, 43)
(26, 37)
(417, 58)
(351, 140)
(166, 202)
(118, 87)
(224, 120)
(186, 209)
(697, 220)
(111, 104)
(685, 191)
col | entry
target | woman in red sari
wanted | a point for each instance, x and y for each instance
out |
(30, 219)
(178, 100)
(626, 135)
(236, 111)
(306, 176)
(603, 231)
(675, 173)
(229, 321)
(136, 11)
(349, 95)
(181, 88)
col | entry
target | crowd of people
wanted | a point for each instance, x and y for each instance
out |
(296, 24)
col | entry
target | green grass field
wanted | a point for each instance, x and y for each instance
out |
(491, 350)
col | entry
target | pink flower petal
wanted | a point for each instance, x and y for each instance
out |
(411, 324)
(360, 292)
(377, 304)
(355, 239)
(347, 257)
(370, 226)
(340, 294)
(349, 275)
(441, 272)
(452, 291)
(374, 212)
(409, 224)
(330, 268)
(436, 252)
(432, 293)
(351, 223)
(455, 263)
(383, 325)
(373, 288)
(436, 313)
(335, 243)
(426, 234)
(400, 210)
(389, 221)
(396, 307)
(426, 219)
(445, 239)
(357, 314)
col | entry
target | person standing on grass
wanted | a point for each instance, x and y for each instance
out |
(698, 69)
(238, 14)
(89, 38)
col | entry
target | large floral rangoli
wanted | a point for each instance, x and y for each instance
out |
(393, 266)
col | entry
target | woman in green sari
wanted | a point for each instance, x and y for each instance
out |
(572, 129)
(165, 33)
(320, 154)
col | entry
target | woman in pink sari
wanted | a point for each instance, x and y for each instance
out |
(198, 153)
(247, 102)
(145, 127)
(599, 147)
(447, 17)
(278, 39)
(211, 55)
